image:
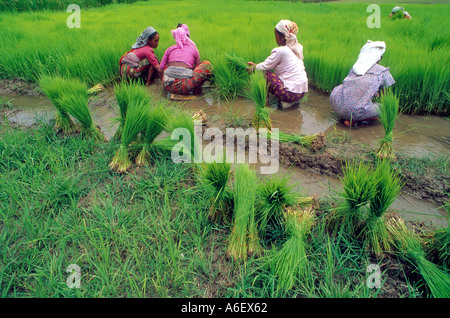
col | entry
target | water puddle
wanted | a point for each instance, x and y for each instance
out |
(413, 135)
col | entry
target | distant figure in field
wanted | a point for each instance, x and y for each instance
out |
(352, 100)
(288, 81)
(140, 62)
(183, 71)
(400, 13)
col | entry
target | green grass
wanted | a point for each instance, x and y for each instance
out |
(141, 234)
(417, 50)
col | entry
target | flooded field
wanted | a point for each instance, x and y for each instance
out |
(413, 135)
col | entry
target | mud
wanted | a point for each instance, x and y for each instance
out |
(316, 169)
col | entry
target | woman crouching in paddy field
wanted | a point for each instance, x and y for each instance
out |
(352, 100)
(183, 71)
(288, 81)
(140, 62)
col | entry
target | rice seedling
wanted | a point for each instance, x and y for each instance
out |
(389, 106)
(238, 63)
(124, 92)
(54, 87)
(156, 119)
(75, 101)
(304, 141)
(274, 194)
(243, 239)
(257, 92)
(228, 81)
(358, 182)
(290, 263)
(184, 126)
(388, 187)
(216, 175)
(408, 246)
(135, 123)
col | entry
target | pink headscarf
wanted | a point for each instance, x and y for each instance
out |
(181, 36)
(290, 29)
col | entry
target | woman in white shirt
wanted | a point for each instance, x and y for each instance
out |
(288, 81)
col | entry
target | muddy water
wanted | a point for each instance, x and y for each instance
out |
(425, 136)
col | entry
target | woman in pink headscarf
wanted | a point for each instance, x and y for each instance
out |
(183, 71)
(288, 81)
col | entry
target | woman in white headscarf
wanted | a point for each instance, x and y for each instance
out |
(141, 62)
(288, 81)
(183, 71)
(353, 99)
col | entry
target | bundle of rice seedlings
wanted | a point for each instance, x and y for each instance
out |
(125, 92)
(216, 176)
(237, 62)
(409, 247)
(358, 183)
(274, 194)
(304, 141)
(135, 122)
(438, 243)
(257, 92)
(388, 186)
(227, 80)
(54, 87)
(290, 263)
(389, 106)
(244, 239)
(156, 120)
(438, 247)
(185, 123)
(75, 102)
(95, 89)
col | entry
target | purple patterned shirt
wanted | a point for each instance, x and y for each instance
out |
(353, 98)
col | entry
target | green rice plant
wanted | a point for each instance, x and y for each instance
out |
(438, 244)
(408, 246)
(124, 92)
(359, 186)
(75, 101)
(54, 87)
(388, 186)
(228, 81)
(389, 107)
(243, 239)
(274, 194)
(183, 125)
(238, 63)
(215, 176)
(156, 120)
(257, 92)
(135, 123)
(304, 141)
(290, 263)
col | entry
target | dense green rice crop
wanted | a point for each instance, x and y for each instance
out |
(332, 35)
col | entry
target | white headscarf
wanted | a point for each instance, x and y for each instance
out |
(369, 55)
(290, 29)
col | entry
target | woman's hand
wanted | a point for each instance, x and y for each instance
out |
(251, 67)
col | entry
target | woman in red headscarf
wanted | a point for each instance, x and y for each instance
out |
(183, 71)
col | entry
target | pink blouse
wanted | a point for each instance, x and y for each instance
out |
(188, 55)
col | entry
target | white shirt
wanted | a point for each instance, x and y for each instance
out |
(288, 67)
